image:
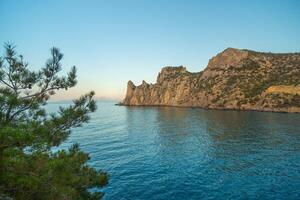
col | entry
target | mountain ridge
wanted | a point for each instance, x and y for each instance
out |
(238, 79)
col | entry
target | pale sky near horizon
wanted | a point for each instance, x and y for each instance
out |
(111, 42)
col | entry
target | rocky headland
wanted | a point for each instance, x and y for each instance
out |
(233, 79)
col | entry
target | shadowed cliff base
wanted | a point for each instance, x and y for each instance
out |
(234, 79)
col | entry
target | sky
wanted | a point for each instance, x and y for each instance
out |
(111, 42)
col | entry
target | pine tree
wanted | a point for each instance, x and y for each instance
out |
(29, 169)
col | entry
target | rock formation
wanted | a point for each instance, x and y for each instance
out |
(234, 79)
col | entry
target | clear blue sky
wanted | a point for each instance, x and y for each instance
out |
(112, 41)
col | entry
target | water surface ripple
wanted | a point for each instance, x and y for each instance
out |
(185, 153)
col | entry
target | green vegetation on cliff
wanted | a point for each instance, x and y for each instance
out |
(233, 79)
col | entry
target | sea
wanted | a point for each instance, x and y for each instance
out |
(172, 153)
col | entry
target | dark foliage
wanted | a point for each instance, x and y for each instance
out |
(28, 167)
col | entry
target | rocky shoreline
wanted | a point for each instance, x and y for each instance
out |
(233, 80)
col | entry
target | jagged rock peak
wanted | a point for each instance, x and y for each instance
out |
(228, 57)
(173, 69)
(130, 84)
(170, 72)
(144, 82)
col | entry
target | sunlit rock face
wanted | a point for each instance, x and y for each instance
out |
(233, 79)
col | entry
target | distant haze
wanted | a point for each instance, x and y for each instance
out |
(111, 42)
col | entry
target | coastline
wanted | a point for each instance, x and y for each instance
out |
(208, 108)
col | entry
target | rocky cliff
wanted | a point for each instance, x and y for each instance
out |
(233, 79)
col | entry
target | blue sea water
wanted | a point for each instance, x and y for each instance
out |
(184, 153)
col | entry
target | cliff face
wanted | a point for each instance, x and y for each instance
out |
(234, 79)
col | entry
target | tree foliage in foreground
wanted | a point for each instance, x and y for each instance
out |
(28, 167)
